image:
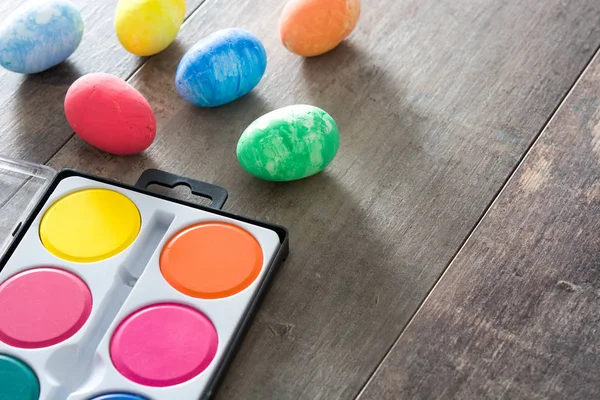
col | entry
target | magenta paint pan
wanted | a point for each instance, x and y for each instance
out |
(164, 345)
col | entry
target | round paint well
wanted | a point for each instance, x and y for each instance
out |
(119, 396)
(17, 380)
(90, 225)
(41, 307)
(211, 260)
(163, 345)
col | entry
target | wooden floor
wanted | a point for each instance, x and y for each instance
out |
(444, 108)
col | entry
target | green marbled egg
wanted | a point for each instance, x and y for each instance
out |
(290, 143)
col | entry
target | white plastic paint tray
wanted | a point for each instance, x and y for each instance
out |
(110, 291)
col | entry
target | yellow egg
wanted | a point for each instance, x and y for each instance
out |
(147, 27)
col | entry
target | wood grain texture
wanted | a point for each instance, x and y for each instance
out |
(516, 315)
(32, 122)
(436, 102)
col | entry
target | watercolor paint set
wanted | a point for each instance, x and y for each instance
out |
(111, 291)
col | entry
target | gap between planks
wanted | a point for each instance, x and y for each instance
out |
(535, 140)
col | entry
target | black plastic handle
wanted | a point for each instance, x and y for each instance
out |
(217, 194)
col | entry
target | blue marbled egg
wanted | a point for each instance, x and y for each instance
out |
(221, 68)
(39, 35)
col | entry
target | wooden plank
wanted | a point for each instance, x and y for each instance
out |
(436, 103)
(32, 122)
(516, 315)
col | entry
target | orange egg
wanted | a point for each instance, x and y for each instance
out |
(313, 27)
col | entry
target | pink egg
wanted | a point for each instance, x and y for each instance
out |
(110, 114)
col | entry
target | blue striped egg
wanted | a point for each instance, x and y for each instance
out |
(39, 35)
(221, 68)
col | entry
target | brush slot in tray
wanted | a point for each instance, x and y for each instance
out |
(94, 360)
(71, 365)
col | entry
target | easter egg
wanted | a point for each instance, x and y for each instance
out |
(147, 27)
(290, 143)
(221, 68)
(39, 35)
(110, 114)
(313, 27)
